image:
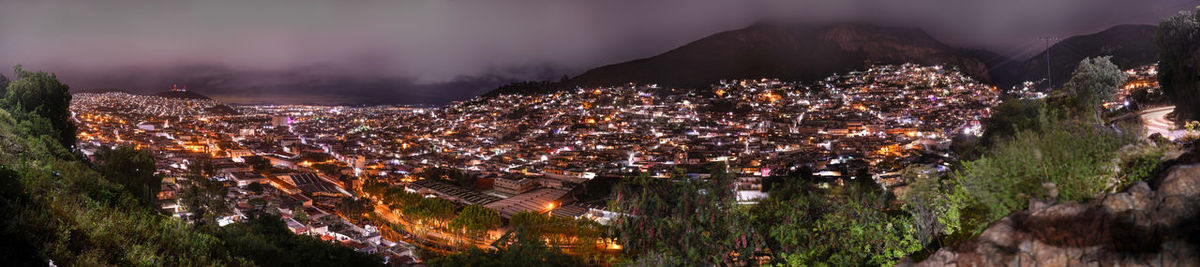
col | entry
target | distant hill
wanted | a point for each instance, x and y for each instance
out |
(1129, 45)
(805, 53)
(101, 91)
(219, 109)
(765, 50)
(181, 95)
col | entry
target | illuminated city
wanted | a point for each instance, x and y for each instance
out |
(367, 134)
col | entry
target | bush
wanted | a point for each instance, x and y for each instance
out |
(1075, 157)
(1142, 161)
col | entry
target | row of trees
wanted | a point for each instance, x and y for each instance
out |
(533, 238)
(537, 239)
(472, 222)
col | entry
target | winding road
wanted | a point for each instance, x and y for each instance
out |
(1155, 121)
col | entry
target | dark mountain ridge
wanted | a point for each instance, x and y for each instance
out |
(181, 95)
(806, 53)
(1129, 45)
(768, 50)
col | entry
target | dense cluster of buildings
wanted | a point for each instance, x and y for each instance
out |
(182, 133)
(1141, 85)
(536, 152)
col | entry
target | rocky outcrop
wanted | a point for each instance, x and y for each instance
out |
(1138, 227)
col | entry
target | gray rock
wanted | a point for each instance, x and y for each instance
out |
(1183, 181)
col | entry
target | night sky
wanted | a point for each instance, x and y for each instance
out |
(405, 52)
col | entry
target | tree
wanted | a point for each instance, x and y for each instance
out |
(330, 169)
(1014, 116)
(804, 224)
(354, 208)
(41, 94)
(257, 188)
(132, 168)
(266, 240)
(374, 187)
(935, 208)
(1093, 82)
(299, 214)
(258, 203)
(3, 85)
(202, 196)
(396, 196)
(430, 209)
(458, 177)
(1178, 41)
(258, 163)
(475, 220)
(526, 250)
(684, 221)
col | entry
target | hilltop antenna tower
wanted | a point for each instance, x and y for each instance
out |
(1049, 80)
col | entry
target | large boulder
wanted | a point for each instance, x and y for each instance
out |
(1182, 181)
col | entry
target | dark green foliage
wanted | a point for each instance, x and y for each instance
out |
(682, 221)
(329, 169)
(258, 203)
(1014, 116)
(1178, 41)
(397, 198)
(299, 214)
(848, 225)
(315, 157)
(1142, 162)
(1093, 82)
(475, 220)
(355, 208)
(42, 94)
(13, 247)
(68, 212)
(258, 163)
(458, 177)
(133, 169)
(598, 188)
(933, 204)
(202, 196)
(577, 236)
(527, 250)
(4, 85)
(430, 210)
(257, 188)
(374, 187)
(266, 240)
(1075, 157)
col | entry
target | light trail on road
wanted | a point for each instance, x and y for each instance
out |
(1155, 121)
